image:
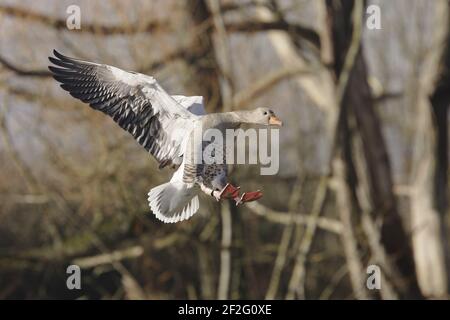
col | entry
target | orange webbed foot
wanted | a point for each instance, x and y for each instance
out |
(229, 192)
(249, 196)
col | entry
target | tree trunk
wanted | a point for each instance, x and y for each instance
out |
(429, 176)
(358, 99)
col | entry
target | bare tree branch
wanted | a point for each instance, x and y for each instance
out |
(326, 224)
(258, 26)
(23, 72)
(107, 258)
(244, 97)
(61, 24)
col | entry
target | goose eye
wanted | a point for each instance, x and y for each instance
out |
(265, 113)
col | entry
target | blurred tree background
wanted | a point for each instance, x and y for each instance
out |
(364, 151)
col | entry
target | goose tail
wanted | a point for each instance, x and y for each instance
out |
(173, 202)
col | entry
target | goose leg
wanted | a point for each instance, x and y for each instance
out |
(210, 192)
(227, 192)
(248, 197)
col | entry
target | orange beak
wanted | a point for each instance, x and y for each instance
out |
(275, 121)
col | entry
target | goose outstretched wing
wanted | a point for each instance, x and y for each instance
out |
(136, 102)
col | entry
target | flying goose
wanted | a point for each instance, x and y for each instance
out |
(164, 125)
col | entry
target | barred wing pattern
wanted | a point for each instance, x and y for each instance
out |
(136, 102)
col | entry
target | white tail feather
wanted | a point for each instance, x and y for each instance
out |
(172, 202)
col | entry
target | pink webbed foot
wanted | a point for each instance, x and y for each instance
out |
(229, 192)
(248, 197)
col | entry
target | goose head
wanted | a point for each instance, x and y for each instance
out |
(261, 116)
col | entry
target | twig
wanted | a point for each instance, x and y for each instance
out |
(348, 237)
(327, 224)
(297, 281)
(23, 169)
(390, 274)
(257, 26)
(279, 261)
(108, 258)
(222, 54)
(23, 72)
(334, 282)
(248, 94)
(206, 277)
(284, 243)
(344, 200)
(61, 24)
(225, 254)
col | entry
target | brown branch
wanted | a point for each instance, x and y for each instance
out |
(334, 282)
(23, 72)
(60, 24)
(354, 94)
(152, 26)
(244, 97)
(327, 224)
(338, 167)
(189, 55)
(440, 102)
(283, 246)
(293, 29)
(26, 173)
(230, 6)
(222, 50)
(108, 258)
(348, 237)
(297, 280)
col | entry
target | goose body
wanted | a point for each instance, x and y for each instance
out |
(164, 125)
